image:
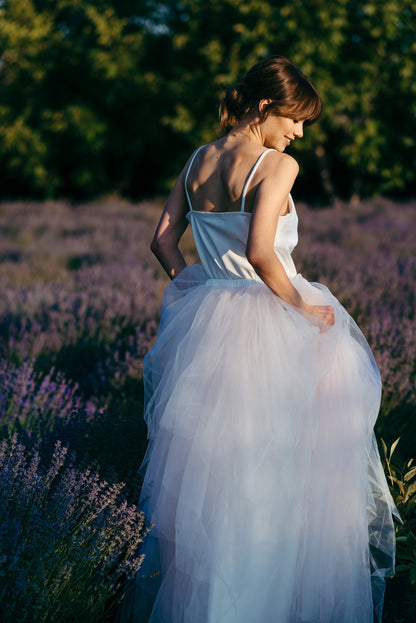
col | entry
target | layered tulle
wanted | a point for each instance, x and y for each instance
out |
(262, 475)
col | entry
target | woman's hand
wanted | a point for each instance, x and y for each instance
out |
(322, 313)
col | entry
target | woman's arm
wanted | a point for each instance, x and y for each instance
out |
(271, 200)
(170, 229)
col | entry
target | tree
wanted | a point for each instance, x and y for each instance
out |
(73, 97)
(361, 56)
(99, 95)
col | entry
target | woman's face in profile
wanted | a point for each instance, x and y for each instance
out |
(278, 132)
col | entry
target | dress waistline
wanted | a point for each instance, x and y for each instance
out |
(233, 283)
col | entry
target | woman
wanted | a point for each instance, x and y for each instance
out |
(263, 479)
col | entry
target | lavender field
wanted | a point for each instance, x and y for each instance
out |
(80, 303)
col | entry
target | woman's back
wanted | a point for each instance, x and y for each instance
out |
(219, 172)
(221, 229)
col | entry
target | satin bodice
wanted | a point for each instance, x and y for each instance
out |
(221, 241)
(221, 237)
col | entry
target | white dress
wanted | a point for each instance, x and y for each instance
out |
(263, 478)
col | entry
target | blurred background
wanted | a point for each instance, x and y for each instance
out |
(98, 96)
(101, 104)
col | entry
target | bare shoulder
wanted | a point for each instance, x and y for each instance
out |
(188, 163)
(277, 163)
(275, 183)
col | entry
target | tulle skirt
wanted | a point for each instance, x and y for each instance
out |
(263, 480)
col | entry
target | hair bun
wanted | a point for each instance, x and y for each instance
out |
(277, 79)
(233, 107)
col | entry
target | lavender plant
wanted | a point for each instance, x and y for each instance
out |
(79, 308)
(67, 539)
(46, 408)
(33, 401)
(77, 291)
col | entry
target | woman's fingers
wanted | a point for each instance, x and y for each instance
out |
(325, 313)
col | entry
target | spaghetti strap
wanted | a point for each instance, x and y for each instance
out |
(186, 177)
(248, 180)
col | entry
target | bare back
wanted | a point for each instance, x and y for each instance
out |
(219, 172)
(218, 176)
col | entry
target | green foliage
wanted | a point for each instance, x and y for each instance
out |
(102, 95)
(359, 55)
(402, 480)
(73, 93)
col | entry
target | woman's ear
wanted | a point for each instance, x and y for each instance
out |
(263, 104)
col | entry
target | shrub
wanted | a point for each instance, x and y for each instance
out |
(401, 590)
(32, 401)
(46, 408)
(67, 539)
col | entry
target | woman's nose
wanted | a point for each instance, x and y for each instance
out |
(299, 130)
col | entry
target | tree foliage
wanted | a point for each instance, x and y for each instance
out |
(101, 95)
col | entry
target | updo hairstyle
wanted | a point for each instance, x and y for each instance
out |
(275, 78)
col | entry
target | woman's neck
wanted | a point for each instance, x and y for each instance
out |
(249, 129)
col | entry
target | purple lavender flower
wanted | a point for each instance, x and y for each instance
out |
(67, 538)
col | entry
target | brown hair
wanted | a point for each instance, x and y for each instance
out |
(275, 78)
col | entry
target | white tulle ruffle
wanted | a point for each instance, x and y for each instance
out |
(263, 479)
